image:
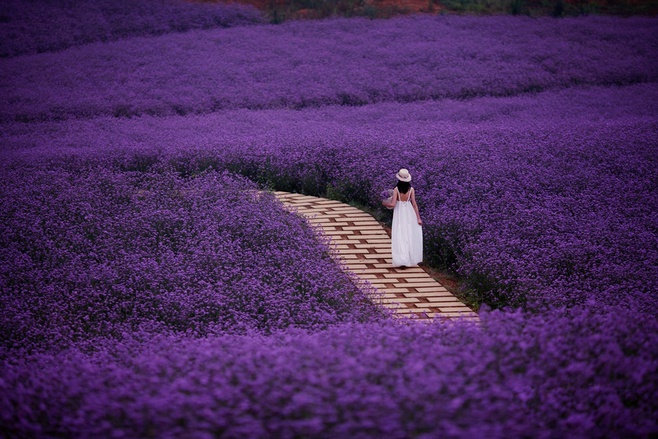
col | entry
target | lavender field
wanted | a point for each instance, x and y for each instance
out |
(150, 290)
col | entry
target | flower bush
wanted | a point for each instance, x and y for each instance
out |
(147, 288)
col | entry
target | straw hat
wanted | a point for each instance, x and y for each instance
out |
(403, 175)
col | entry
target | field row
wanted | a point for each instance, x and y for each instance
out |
(334, 62)
(29, 27)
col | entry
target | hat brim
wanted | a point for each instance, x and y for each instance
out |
(407, 179)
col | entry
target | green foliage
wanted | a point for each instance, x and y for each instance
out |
(557, 8)
(309, 9)
(301, 9)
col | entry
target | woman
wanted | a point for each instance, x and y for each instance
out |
(407, 233)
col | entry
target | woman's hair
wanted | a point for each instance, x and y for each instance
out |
(403, 186)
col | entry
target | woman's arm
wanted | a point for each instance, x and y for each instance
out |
(413, 202)
(394, 200)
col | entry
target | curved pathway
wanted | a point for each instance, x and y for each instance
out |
(364, 248)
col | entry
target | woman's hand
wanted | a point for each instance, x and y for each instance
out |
(420, 222)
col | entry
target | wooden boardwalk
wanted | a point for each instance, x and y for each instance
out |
(364, 248)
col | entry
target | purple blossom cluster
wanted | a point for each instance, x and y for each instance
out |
(37, 26)
(89, 251)
(516, 376)
(148, 289)
(333, 62)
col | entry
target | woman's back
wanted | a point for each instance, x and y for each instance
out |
(406, 233)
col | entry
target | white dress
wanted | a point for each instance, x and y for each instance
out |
(406, 234)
